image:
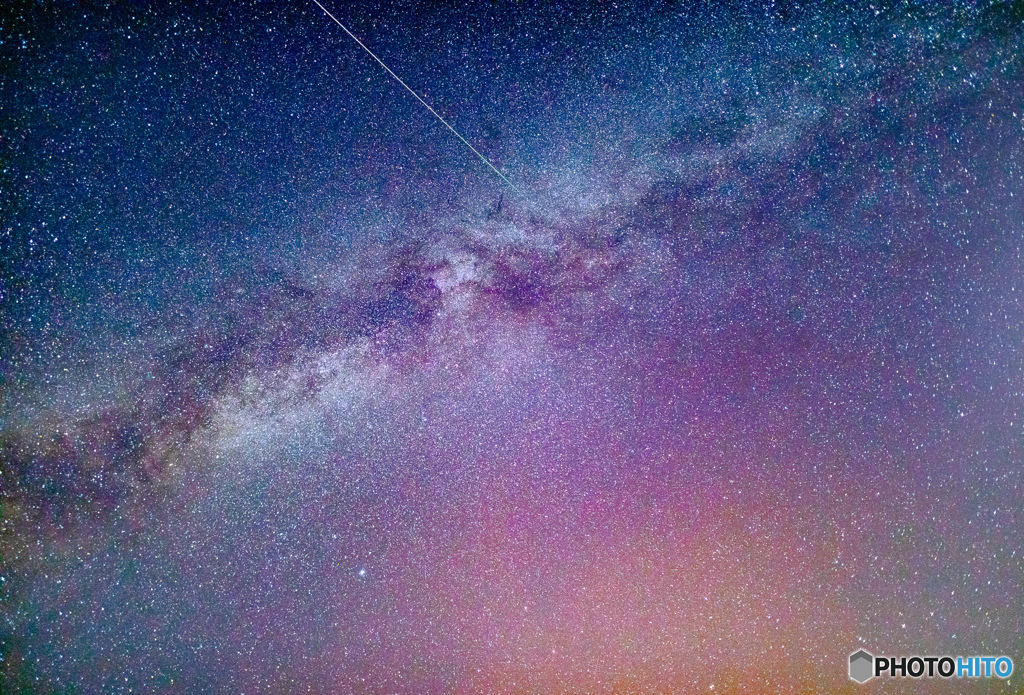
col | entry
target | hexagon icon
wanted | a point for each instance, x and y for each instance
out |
(861, 664)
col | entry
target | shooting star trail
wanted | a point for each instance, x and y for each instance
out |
(409, 89)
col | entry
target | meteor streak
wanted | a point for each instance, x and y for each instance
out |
(418, 98)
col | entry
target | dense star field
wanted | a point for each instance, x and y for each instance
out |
(299, 396)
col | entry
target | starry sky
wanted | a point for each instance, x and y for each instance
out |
(297, 395)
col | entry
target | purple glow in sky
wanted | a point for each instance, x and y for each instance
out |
(298, 396)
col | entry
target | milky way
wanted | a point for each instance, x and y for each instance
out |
(298, 396)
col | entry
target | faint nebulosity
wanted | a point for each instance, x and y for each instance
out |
(298, 396)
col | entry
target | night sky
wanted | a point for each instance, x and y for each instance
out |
(299, 396)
